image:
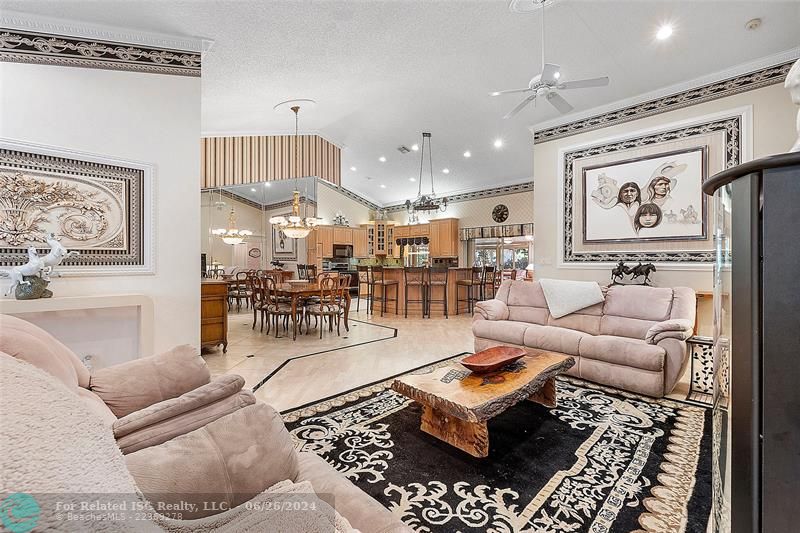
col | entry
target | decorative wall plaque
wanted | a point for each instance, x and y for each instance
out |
(98, 206)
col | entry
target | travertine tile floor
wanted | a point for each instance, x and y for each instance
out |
(374, 349)
(288, 374)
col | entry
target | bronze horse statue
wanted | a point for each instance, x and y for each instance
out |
(619, 272)
(642, 270)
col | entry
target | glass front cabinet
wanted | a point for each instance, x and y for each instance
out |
(756, 409)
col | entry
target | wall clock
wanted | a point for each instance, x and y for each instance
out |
(500, 213)
(254, 252)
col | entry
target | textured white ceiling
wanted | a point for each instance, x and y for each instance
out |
(384, 71)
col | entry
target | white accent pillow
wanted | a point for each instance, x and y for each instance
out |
(566, 296)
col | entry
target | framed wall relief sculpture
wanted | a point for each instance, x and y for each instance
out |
(96, 205)
(637, 197)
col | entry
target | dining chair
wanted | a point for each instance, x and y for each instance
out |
(301, 271)
(258, 300)
(275, 307)
(327, 306)
(311, 272)
(239, 290)
(344, 289)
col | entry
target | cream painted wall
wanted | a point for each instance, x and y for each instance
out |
(331, 201)
(144, 117)
(773, 132)
(247, 217)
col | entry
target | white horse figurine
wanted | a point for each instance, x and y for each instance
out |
(57, 254)
(33, 267)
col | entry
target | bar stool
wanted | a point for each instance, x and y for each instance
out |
(379, 280)
(437, 277)
(488, 279)
(470, 284)
(363, 279)
(415, 277)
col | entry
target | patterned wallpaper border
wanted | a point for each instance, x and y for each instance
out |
(22, 46)
(474, 195)
(704, 93)
(350, 194)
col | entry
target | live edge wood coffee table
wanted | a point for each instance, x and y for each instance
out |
(457, 403)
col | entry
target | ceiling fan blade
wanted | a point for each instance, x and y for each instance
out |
(557, 101)
(509, 91)
(549, 72)
(520, 106)
(582, 84)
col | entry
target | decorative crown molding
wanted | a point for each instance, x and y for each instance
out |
(474, 195)
(350, 194)
(743, 78)
(47, 41)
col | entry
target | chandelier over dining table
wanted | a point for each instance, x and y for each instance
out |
(426, 202)
(295, 226)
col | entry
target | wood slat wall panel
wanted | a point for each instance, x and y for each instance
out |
(251, 159)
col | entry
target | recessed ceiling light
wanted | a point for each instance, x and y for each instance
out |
(267, 184)
(664, 32)
(412, 179)
(415, 147)
(383, 186)
(557, 75)
(467, 154)
(382, 159)
(496, 93)
(446, 171)
(253, 189)
(353, 169)
(498, 143)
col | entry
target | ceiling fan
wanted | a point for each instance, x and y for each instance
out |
(546, 84)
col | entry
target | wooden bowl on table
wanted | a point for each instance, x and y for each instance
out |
(492, 359)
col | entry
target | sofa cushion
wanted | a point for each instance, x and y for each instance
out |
(531, 315)
(638, 301)
(136, 384)
(623, 351)
(502, 330)
(619, 326)
(30, 343)
(526, 293)
(363, 512)
(554, 339)
(587, 323)
(228, 461)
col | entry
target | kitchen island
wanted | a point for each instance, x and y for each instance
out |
(415, 309)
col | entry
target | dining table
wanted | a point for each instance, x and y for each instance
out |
(298, 290)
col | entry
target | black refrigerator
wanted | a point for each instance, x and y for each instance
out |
(756, 412)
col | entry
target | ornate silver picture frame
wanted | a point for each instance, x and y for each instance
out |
(99, 206)
(724, 140)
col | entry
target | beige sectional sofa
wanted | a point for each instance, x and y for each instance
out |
(187, 440)
(635, 340)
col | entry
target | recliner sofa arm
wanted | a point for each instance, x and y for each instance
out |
(137, 384)
(492, 309)
(177, 416)
(674, 328)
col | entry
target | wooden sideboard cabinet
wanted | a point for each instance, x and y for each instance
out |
(214, 313)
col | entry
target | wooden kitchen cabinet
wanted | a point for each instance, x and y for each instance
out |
(360, 249)
(401, 232)
(342, 235)
(444, 237)
(325, 238)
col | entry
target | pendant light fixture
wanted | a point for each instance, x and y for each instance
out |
(231, 235)
(426, 202)
(294, 226)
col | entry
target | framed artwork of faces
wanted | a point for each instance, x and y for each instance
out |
(652, 198)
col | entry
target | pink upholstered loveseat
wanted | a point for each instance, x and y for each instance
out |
(635, 340)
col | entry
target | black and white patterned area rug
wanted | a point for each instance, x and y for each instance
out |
(602, 461)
